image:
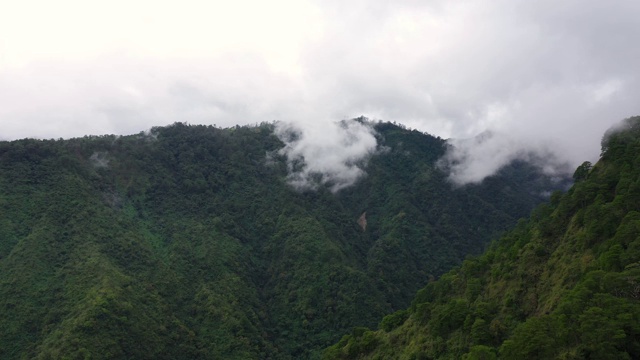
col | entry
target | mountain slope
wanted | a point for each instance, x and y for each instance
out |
(565, 284)
(188, 243)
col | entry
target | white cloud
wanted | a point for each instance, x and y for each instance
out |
(550, 75)
(332, 154)
(471, 160)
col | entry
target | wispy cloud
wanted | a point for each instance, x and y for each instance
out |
(470, 161)
(332, 154)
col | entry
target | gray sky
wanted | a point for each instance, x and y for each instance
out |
(541, 75)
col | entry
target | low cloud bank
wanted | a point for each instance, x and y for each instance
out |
(331, 154)
(469, 161)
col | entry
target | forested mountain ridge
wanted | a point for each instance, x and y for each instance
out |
(563, 285)
(188, 243)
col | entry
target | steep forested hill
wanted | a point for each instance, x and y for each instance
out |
(563, 285)
(188, 243)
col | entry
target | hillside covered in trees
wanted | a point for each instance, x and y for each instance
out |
(563, 285)
(187, 242)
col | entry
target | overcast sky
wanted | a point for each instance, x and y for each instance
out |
(551, 75)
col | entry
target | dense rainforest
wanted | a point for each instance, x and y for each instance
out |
(564, 284)
(187, 242)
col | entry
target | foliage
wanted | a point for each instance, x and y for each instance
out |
(563, 285)
(187, 243)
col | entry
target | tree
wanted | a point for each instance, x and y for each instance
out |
(582, 171)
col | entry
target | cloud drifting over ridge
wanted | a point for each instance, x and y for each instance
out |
(542, 76)
(332, 154)
(470, 161)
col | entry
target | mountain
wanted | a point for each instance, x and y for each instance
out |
(187, 242)
(564, 284)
